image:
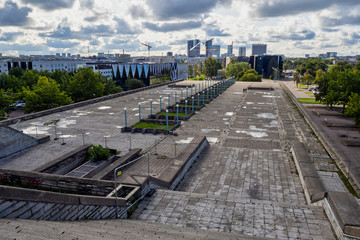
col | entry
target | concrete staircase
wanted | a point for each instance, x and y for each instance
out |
(109, 229)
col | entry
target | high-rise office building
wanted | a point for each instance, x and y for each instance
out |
(307, 55)
(196, 51)
(242, 51)
(230, 50)
(216, 51)
(258, 49)
(208, 47)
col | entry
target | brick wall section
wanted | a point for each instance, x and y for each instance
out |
(56, 182)
(79, 104)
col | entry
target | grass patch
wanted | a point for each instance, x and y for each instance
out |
(151, 125)
(171, 114)
(189, 105)
(309, 100)
(300, 90)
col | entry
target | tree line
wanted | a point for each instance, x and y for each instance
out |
(43, 90)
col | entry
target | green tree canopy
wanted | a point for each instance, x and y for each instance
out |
(133, 84)
(236, 69)
(46, 94)
(211, 67)
(5, 102)
(86, 84)
(353, 108)
(250, 75)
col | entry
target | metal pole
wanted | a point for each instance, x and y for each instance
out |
(139, 113)
(181, 94)
(129, 142)
(185, 108)
(207, 97)
(203, 98)
(177, 113)
(155, 147)
(105, 141)
(191, 91)
(192, 104)
(36, 133)
(167, 120)
(160, 103)
(150, 106)
(175, 148)
(198, 100)
(125, 117)
(56, 137)
(63, 140)
(175, 98)
(116, 197)
(83, 135)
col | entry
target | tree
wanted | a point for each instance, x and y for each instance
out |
(11, 82)
(190, 71)
(133, 84)
(86, 84)
(5, 103)
(353, 108)
(46, 94)
(30, 78)
(250, 76)
(111, 88)
(297, 78)
(236, 69)
(211, 67)
(16, 72)
(308, 79)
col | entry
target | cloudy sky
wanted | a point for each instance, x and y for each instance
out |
(289, 27)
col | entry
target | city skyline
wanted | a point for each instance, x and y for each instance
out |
(288, 27)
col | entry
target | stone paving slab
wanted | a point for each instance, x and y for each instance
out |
(248, 218)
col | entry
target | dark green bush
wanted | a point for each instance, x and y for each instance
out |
(98, 153)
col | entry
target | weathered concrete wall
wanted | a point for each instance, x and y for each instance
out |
(13, 141)
(40, 205)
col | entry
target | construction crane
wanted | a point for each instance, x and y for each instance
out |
(204, 42)
(148, 46)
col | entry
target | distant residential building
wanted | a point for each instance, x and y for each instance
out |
(103, 69)
(101, 54)
(258, 49)
(331, 54)
(63, 55)
(216, 52)
(230, 50)
(307, 55)
(196, 51)
(57, 55)
(208, 47)
(0, 55)
(169, 54)
(242, 51)
(69, 55)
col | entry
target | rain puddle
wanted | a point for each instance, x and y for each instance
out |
(67, 136)
(135, 109)
(155, 102)
(64, 123)
(82, 113)
(277, 150)
(244, 107)
(104, 107)
(253, 127)
(111, 113)
(225, 119)
(226, 123)
(119, 126)
(188, 140)
(209, 130)
(136, 114)
(212, 140)
(36, 129)
(229, 114)
(273, 124)
(249, 102)
(266, 115)
(254, 134)
(237, 93)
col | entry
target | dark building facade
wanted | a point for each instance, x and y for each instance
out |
(268, 65)
(196, 51)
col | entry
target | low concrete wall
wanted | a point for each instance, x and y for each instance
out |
(41, 205)
(54, 182)
(173, 174)
(79, 104)
(341, 208)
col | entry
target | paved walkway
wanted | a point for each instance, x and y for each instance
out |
(246, 181)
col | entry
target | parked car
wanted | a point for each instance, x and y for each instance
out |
(315, 91)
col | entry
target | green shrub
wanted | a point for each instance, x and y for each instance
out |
(98, 153)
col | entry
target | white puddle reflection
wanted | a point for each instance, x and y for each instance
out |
(104, 107)
(249, 102)
(36, 129)
(212, 140)
(188, 140)
(225, 119)
(254, 134)
(229, 113)
(64, 123)
(253, 127)
(111, 113)
(266, 115)
(273, 124)
(209, 130)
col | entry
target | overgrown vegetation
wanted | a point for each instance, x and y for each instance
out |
(242, 72)
(152, 125)
(98, 153)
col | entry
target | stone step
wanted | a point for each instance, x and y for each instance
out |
(111, 229)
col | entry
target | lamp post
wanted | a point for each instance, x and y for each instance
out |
(125, 117)
(139, 113)
(167, 120)
(150, 106)
(160, 103)
(192, 104)
(181, 94)
(175, 98)
(177, 113)
(186, 108)
(198, 100)
(203, 98)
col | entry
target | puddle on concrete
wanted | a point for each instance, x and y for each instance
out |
(156, 102)
(135, 109)
(67, 136)
(82, 113)
(277, 150)
(237, 93)
(64, 123)
(40, 129)
(249, 102)
(141, 103)
(119, 126)
(104, 107)
(266, 115)
(215, 111)
(244, 107)
(254, 134)
(209, 130)
(253, 127)
(136, 114)
(226, 123)
(229, 113)
(226, 119)
(273, 124)
(188, 140)
(212, 140)
(111, 113)
(267, 96)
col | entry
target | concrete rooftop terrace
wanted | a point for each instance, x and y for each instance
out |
(245, 183)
